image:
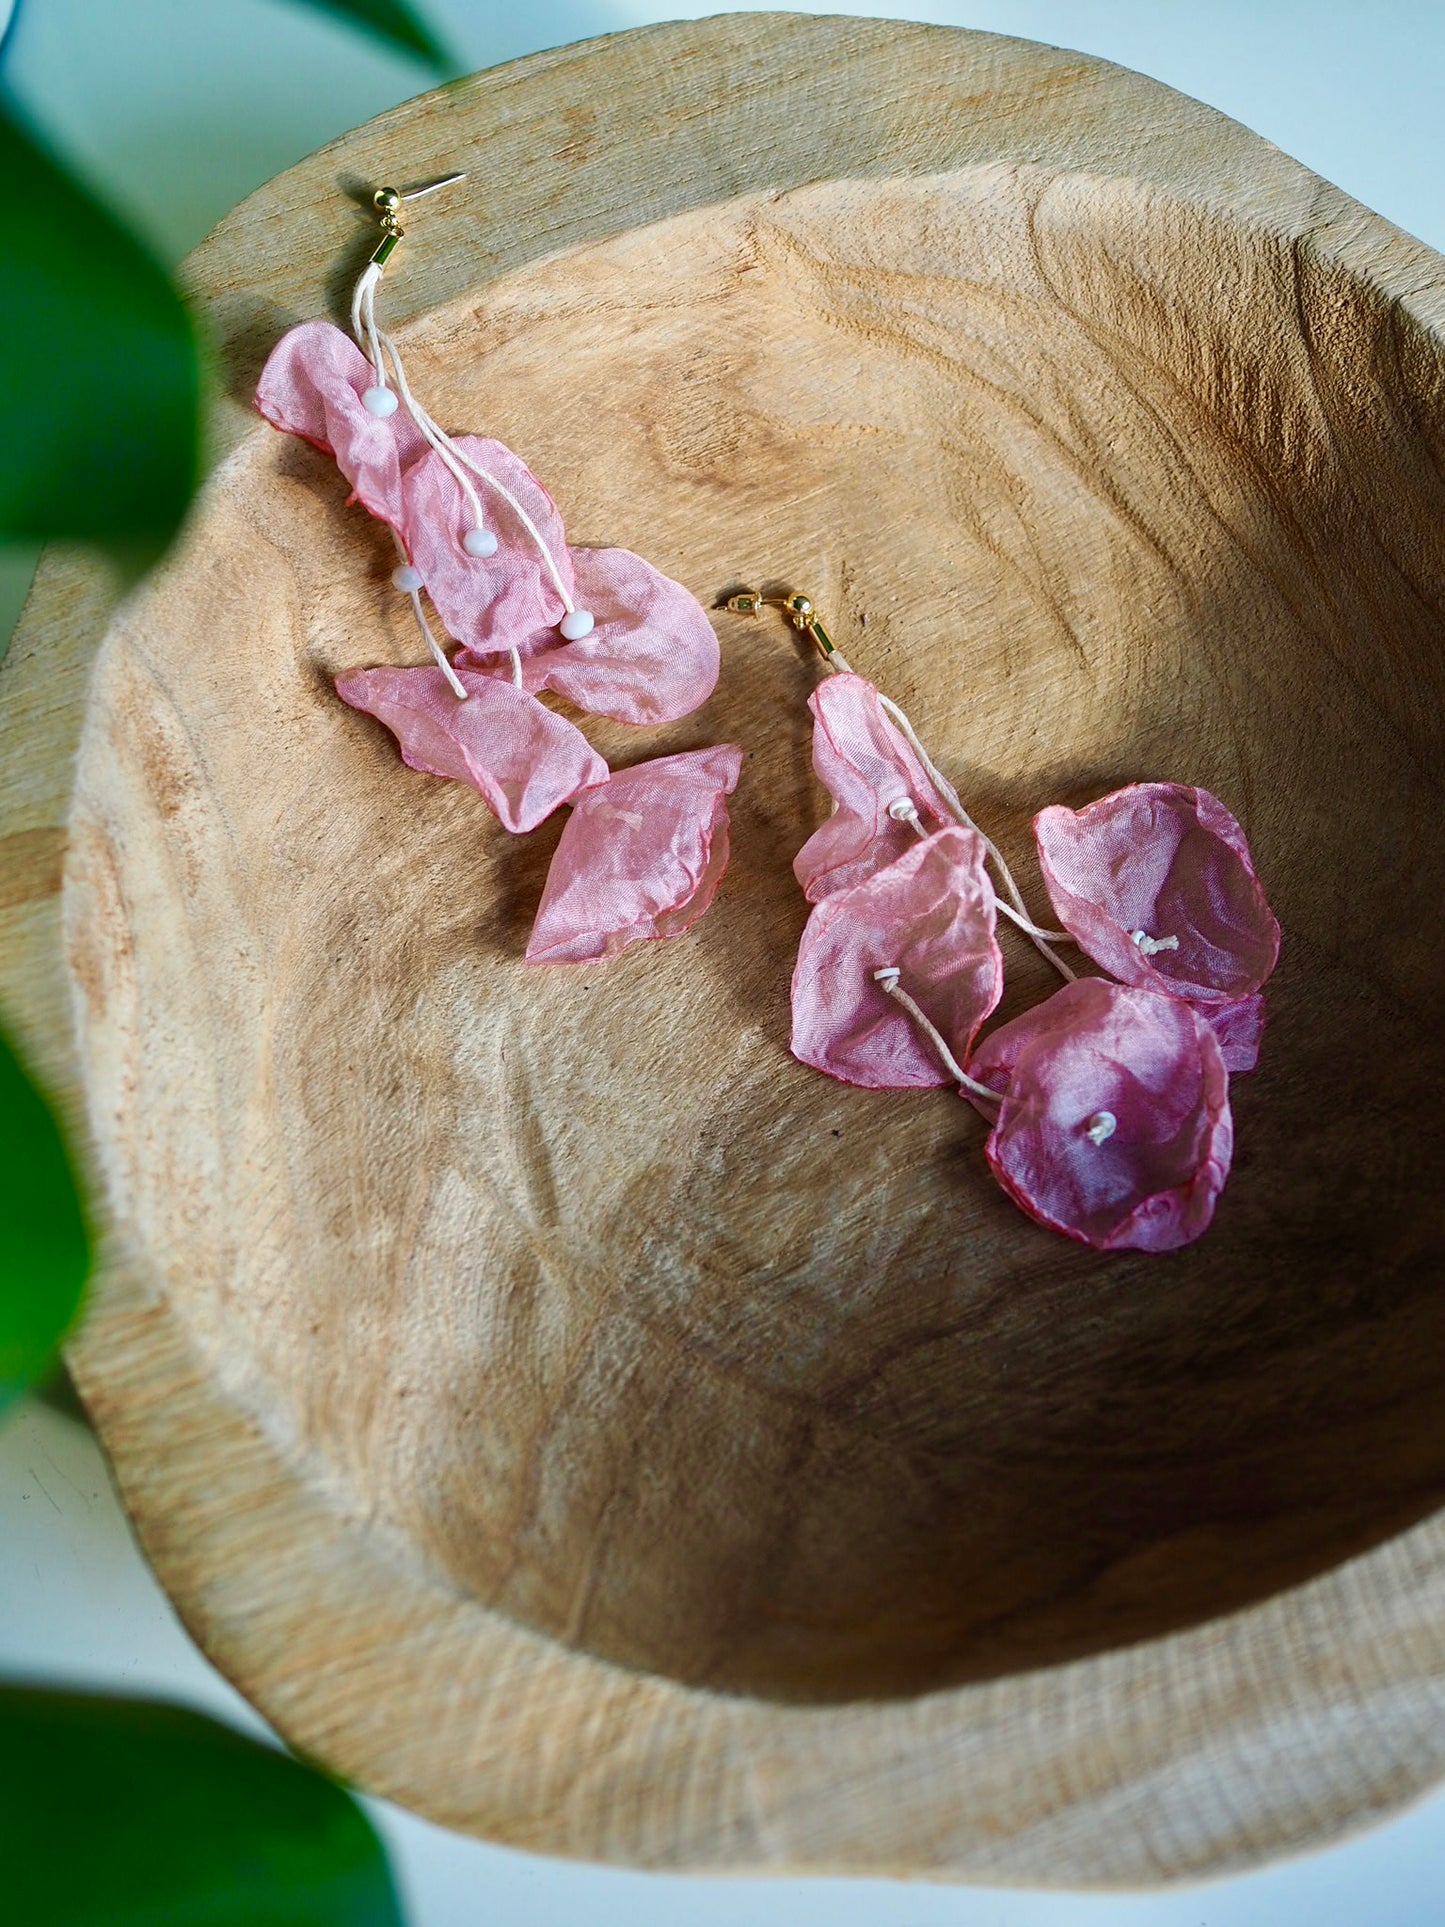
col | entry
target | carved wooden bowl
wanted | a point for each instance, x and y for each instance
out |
(555, 1407)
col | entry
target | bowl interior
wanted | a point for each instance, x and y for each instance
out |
(571, 1282)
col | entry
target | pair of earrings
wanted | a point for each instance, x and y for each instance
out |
(1108, 1103)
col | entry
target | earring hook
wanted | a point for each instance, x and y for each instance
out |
(388, 202)
(799, 610)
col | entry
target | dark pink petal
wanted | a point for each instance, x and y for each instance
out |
(1239, 1026)
(488, 603)
(521, 758)
(865, 765)
(930, 912)
(640, 857)
(312, 386)
(1115, 1125)
(652, 657)
(1161, 864)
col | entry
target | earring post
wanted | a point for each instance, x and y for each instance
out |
(797, 607)
(430, 187)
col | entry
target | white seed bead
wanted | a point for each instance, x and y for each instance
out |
(379, 401)
(479, 542)
(576, 624)
(406, 578)
(1101, 1127)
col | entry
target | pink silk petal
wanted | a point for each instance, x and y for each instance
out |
(931, 912)
(312, 386)
(521, 758)
(1239, 1026)
(641, 857)
(1155, 1065)
(488, 603)
(652, 657)
(1170, 861)
(865, 765)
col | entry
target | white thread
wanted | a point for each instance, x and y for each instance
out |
(458, 462)
(1151, 946)
(413, 596)
(1040, 939)
(363, 319)
(378, 345)
(1031, 929)
(887, 980)
(903, 809)
(1101, 1127)
(459, 689)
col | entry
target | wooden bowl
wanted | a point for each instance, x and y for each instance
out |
(553, 1406)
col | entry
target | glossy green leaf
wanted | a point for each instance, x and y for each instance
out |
(393, 20)
(123, 1813)
(44, 1247)
(99, 371)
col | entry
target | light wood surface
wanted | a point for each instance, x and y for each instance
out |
(554, 1407)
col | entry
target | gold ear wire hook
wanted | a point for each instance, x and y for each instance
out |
(796, 607)
(388, 203)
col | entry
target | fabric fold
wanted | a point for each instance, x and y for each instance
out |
(1156, 883)
(652, 657)
(312, 386)
(521, 758)
(505, 600)
(640, 857)
(930, 913)
(868, 767)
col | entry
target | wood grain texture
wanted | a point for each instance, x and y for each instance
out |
(553, 1406)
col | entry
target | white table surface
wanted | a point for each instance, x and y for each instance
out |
(178, 108)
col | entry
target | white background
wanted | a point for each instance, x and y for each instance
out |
(177, 108)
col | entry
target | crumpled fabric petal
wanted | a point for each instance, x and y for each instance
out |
(1114, 1126)
(865, 764)
(312, 386)
(1239, 1027)
(652, 657)
(487, 603)
(1161, 862)
(521, 758)
(931, 912)
(640, 857)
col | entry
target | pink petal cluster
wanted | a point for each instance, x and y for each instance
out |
(645, 847)
(931, 913)
(653, 656)
(1114, 1125)
(1155, 883)
(640, 857)
(1112, 1121)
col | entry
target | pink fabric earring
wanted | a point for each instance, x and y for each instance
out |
(1109, 1102)
(479, 536)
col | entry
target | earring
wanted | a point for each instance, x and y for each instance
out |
(477, 534)
(1108, 1102)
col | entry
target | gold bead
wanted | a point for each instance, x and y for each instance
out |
(386, 200)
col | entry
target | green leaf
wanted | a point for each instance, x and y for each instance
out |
(123, 1813)
(99, 371)
(393, 20)
(44, 1245)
